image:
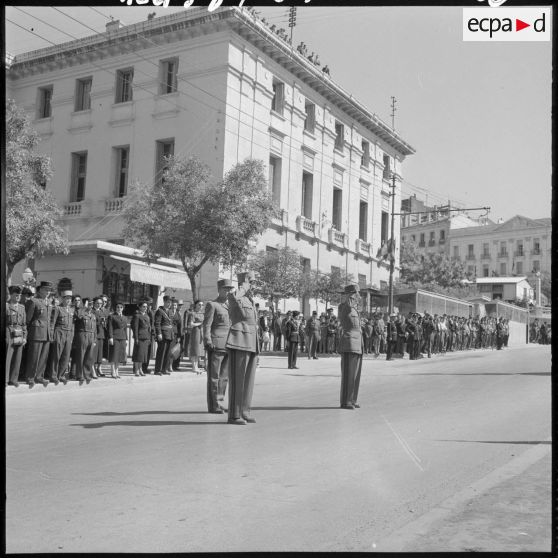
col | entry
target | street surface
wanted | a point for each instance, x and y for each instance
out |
(445, 454)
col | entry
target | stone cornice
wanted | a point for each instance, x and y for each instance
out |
(194, 22)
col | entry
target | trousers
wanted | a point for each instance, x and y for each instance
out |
(85, 354)
(13, 361)
(37, 358)
(351, 366)
(242, 372)
(313, 341)
(60, 353)
(162, 356)
(217, 377)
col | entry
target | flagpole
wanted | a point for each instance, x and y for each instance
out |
(392, 240)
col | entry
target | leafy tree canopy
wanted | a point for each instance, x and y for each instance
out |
(32, 213)
(189, 216)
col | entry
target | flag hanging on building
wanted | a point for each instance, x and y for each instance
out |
(387, 250)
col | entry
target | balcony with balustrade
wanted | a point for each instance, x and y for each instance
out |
(363, 248)
(337, 238)
(280, 220)
(486, 256)
(73, 209)
(114, 205)
(306, 227)
(503, 254)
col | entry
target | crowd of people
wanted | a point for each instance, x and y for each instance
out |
(540, 332)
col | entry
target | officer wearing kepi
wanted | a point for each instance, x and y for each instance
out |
(350, 347)
(243, 347)
(215, 331)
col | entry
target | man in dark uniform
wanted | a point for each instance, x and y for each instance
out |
(499, 333)
(350, 347)
(101, 315)
(63, 338)
(151, 314)
(242, 344)
(215, 330)
(277, 331)
(40, 333)
(391, 337)
(176, 318)
(313, 328)
(428, 333)
(292, 335)
(164, 332)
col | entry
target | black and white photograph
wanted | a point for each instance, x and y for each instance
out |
(257, 214)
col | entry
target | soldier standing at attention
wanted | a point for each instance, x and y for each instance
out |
(350, 347)
(16, 334)
(63, 338)
(313, 327)
(215, 330)
(293, 333)
(243, 348)
(40, 333)
(86, 334)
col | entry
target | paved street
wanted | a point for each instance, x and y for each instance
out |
(446, 454)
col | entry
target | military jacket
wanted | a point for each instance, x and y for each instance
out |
(39, 320)
(85, 322)
(64, 319)
(216, 324)
(243, 334)
(349, 321)
(141, 326)
(15, 321)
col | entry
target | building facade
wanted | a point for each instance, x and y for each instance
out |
(223, 87)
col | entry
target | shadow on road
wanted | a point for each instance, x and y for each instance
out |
(291, 408)
(148, 423)
(530, 443)
(115, 414)
(315, 375)
(475, 374)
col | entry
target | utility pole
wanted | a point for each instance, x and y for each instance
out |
(392, 247)
(393, 109)
(292, 20)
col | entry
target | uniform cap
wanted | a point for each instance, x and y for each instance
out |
(14, 289)
(296, 313)
(225, 284)
(66, 293)
(47, 284)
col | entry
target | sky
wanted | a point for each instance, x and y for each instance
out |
(477, 113)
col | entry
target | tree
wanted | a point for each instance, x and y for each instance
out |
(329, 286)
(32, 214)
(191, 217)
(280, 274)
(432, 268)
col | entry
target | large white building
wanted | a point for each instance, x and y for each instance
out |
(224, 87)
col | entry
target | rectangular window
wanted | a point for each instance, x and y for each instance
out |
(536, 265)
(79, 171)
(165, 149)
(485, 271)
(485, 249)
(83, 94)
(278, 101)
(339, 136)
(124, 85)
(471, 250)
(307, 195)
(362, 281)
(310, 120)
(503, 249)
(365, 159)
(385, 227)
(337, 208)
(422, 241)
(122, 162)
(536, 247)
(519, 248)
(44, 105)
(387, 168)
(363, 222)
(414, 237)
(442, 235)
(519, 268)
(456, 252)
(275, 179)
(503, 269)
(169, 76)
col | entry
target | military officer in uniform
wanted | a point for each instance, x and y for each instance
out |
(350, 347)
(293, 333)
(151, 314)
(85, 323)
(313, 328)
(63, 338)
(40, 333)
(243, 347)
(215, 330)
(16, 334)
(165, 334)
(101, 314)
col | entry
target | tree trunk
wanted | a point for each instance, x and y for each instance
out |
(194, 285)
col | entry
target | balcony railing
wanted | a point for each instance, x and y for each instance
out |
(431, 243)
(305, 226)
(536, 252)
(519, 253)
(337, 237)
(442, 241)
(114, 205)
(362, 247)
(503, 254)
(485, 256)
(73, 208)
(422, 244)
(470, 257)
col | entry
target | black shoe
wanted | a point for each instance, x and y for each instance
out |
(347, 407)
(223, 409)
(87, 380)
(356, 405)
(158, 374)
(31, 385)
(249, 419)
(217, 411)
(315, 358)
(44, 382)
(64, 380)
(101, 374)
(55, 382)
(81, 382)
(236, 421)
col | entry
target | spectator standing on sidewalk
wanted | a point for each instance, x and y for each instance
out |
(16, 334)
(141, 330)
(101, 314)
(195, 322)
(164, 333)
(117, 336)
